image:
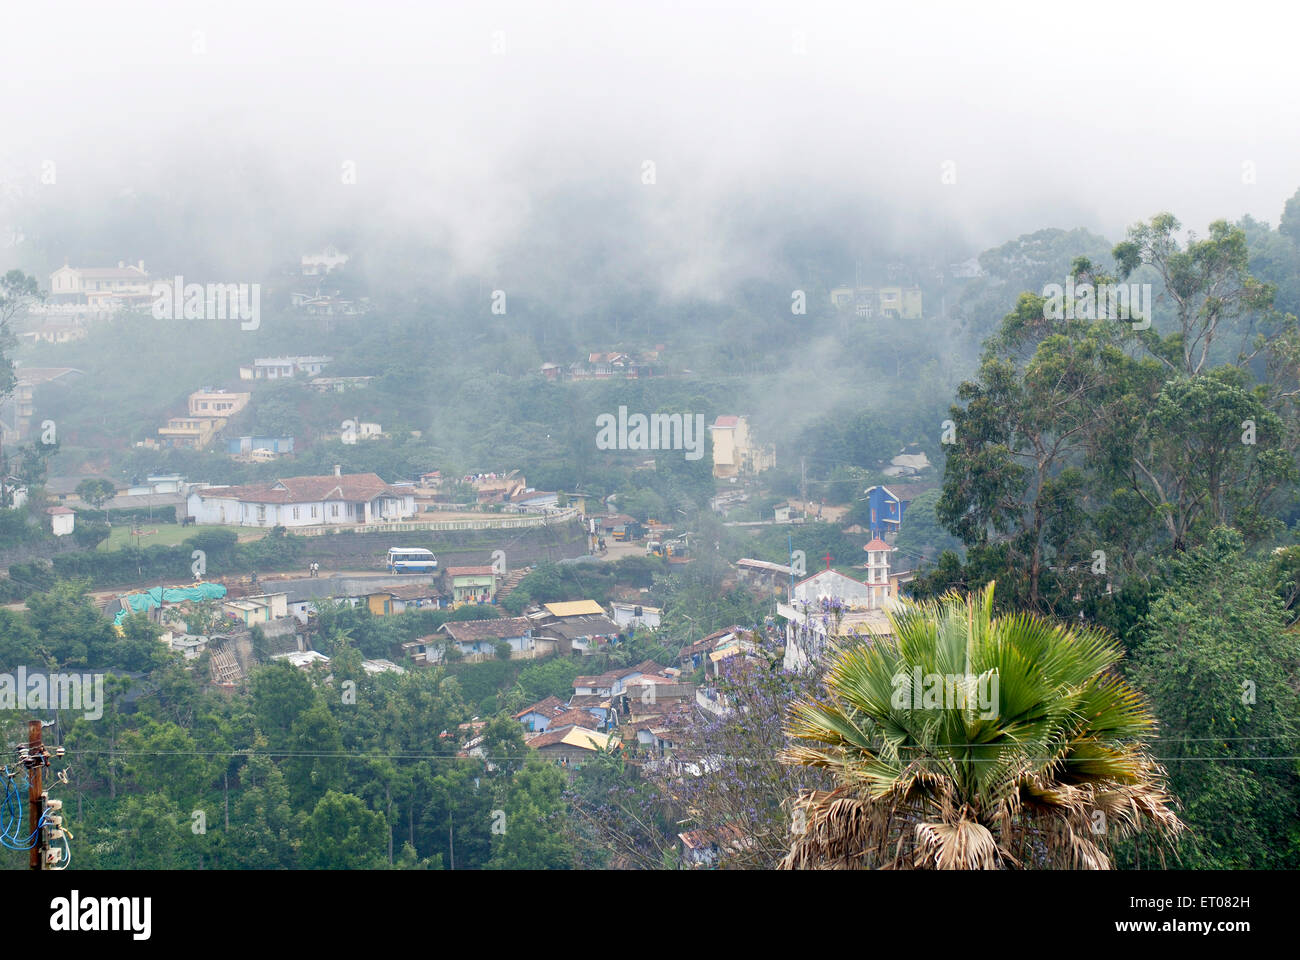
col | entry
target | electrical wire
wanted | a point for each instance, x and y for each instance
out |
(67, 853)
(343, 755)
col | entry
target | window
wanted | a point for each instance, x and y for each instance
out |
(295, 513)
(313, 511)
(334, 509)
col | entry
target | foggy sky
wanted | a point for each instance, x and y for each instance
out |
(1094, 116)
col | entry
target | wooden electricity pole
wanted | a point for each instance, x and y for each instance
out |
(35, 805)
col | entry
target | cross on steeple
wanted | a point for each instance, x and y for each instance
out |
(827, 558)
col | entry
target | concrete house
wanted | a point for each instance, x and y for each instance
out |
(62, 520)
(630, 614)
(478, 639)
(471, 584)
(572, 746)
(281, 368)
(764, 575)
(537, 717)
(217, 403)
(251, 611)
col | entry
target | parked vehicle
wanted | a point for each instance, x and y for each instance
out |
(411, 560)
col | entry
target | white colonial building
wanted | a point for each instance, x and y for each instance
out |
(340, 499)
(281, 368)
(94, 291)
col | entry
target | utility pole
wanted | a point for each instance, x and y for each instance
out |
(803, 487)
(789, 542)
(35, 802)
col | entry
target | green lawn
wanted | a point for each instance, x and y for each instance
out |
(161, 534)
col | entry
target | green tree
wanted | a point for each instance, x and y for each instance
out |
(165, 755)
(1012, 475)
(18, 292)
(71, 630)
(528, 832)
(314, 765)
(261, 829)
(96, 491)
(280, 693)
(148, 832)
(920, 534)
(1290, 223)
(19, 643)
(1220, 665)
(89, 533)
(1208, 453)
(1207, 281)
(341, 834)
(139, 647)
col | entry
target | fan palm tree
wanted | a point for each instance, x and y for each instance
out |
(962, 741)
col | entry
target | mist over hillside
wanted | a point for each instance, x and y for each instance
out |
(572, 434)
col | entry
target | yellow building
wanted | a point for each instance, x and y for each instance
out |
(902, 302)
(193, 433)
(217, 403)
(875, 302)
(735, 453)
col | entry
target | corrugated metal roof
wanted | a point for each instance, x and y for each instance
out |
(574, 608)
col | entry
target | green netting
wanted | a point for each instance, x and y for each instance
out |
(156, 596)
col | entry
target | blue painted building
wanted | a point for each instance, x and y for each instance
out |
(885, 510)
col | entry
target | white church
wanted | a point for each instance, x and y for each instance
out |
(829, 607)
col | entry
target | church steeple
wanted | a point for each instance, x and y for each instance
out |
(878, 570)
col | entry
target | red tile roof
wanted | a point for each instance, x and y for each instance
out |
(350, 487)
(576, 717)
(601, 680)
(588, 700)
(498, 628)
(709, 642)
(877, 544)
(413, 591)
(726, 835)
(550, 707)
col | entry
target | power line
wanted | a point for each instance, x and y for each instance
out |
(343, 755)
